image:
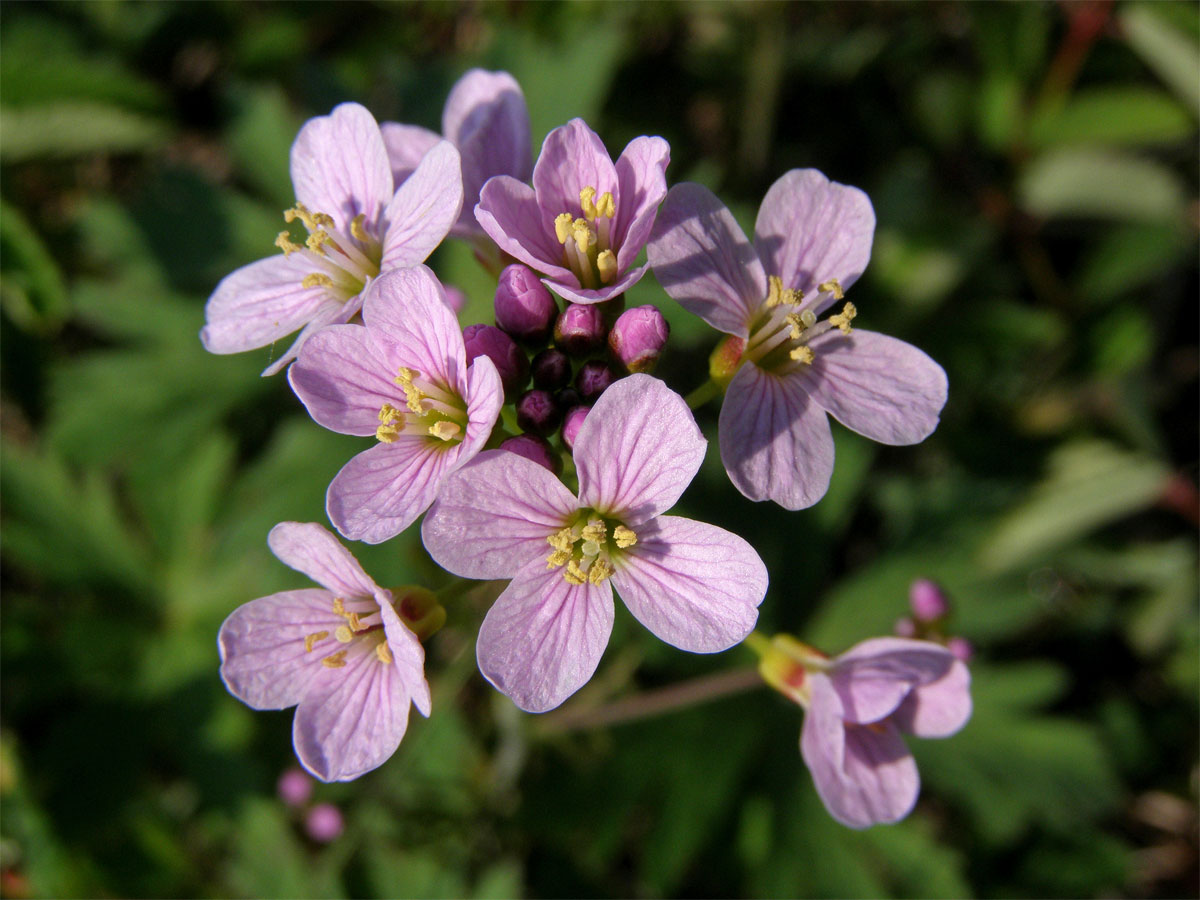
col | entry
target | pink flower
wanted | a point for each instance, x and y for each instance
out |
(340, 654)
(859, 704)
(812, 240)
(403, 378)
(694, 585)
(485, 117)
(585, 220)
(358, 225)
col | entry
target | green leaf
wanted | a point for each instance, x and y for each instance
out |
(1127, 115)
(1173, 56)
(31, 286)
(1130, 256)
(1096, 183)
(260, 139)
(71, 128)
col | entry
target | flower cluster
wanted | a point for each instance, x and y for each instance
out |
(540, 449)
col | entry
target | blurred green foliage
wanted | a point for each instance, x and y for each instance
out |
(1034, 173)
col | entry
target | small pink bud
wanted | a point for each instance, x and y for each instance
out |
(489, 341)
(455, 298)
(905, 627)
(927, 601)
(579, 329)
(324, 823)
(524, 308)
(593, 379)
(551, 370)
(534, 448)
(961, 648)
(638, 337)
(572, 422)
(294, 787)
(538, 413)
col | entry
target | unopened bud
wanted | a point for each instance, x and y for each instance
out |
(551, 370)
(579, 329)
(567, 397)
(455, 298)
(961, 648)
(572, 422)
(905, 628)
(638, 337)
(324, 823)
(294, 787)
(489, 341)
(535, 448)
(538, 413)
(927, 601)
(593, 379)
(419, 609)
(725, 360)
(524, 307)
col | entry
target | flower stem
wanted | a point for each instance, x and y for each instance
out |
(758, 642)
(455, 589)
(702, 394)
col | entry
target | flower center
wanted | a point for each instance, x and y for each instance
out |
(429, 411)
(362, 633)
(342, 263)
(785, 323)
(586, 548)
(587, 241)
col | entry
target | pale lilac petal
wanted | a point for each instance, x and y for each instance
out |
(694, 585)
(642, 177)
(573, 157)
(638, 450)
(330, 314)
(258, 304)
(811, 229)
(581, 295)
(343, 377)
(485, 396)
(352, 718)
(863, 774)
(508, 211)
(877, 385)
(340, 166)
(873, 677)
(408, 657)
(263, 658)
(701, 257)
(420, 214)
(494, 514)
(309, 548)
(775, 440)
(543, 638)
(406, 146)
(937, 709)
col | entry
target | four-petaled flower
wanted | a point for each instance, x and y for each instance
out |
(858, 706)
(358, 227)
(341, 654)
(812, 240)
(585, 220)
(692, 584)
(402, 376)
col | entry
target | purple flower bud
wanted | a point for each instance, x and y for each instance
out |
(489, 341)
(593, 379)
(324, 823)
(524, 308)
(638, 337)
(535, 448)
(455, 298)
(905, 627)
(961, 648)
(294, 787)
(538, 413)
(572, 422)
(579, 329)
(927, 600)
(551, 370)
(567, 397)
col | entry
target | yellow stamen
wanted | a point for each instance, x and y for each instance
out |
(797, 326)
(605, 206)
(315, 240)
(388, 413)
(832, 285)
(343, 634)
(584, 235)
(774, 290)
(339, 607)
(404, 376)
(357, 229)
(314, 638)
(387, 433)
(574, 574)
(599, 571)
(842, 319)
(586, 198)
(354, 623)
(562, 227)
(606, 264)
(335, 661)
(594, 530)
(445, 430)
(285, 243)
(384, 654)
(624, 537)
(557, 558)
(561, 540)
(316, 279)
(803, 355)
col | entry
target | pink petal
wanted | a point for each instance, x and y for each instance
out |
(701, 257)
(694, 585)
(330, 314)
(309, 548)
(775, 441)
(408, 657)
(574, 294)
(343, 377)
(264, 662)
(811, 229)
(873, 677)
(572, 158)
(493, 516)
(879, 386)
(638, 450)
(642, 176)
(508, 211)
(937, 709)
(352, 718)
(543, 638)
(420, 214)
(260, 303)
(340, 166)
(406, 146)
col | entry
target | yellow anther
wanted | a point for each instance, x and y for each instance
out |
(357, 229)
(557, 558)
(339, 607)
(584, 235)
(404, 376)
(797, 326)
(599, 571)
(355, 624)
(574, 574)
(285, 243)
(587, 197)
(445, 430)
(413, 398)
(384, 654)
(832, 285)
(605, 206)
(562, 540)
(594, 530)
(842, 319)
(315, 240)
(343, 634)
(316, 279)
(774, 290)
(562, 227)
(388, 413)
(387, 433)
(335, 660)
(606, 265)
(624, 537)
(802, 355)
(315, 637)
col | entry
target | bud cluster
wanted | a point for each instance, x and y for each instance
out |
(931, 612)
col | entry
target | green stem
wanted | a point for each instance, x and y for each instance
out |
(454, 589)
(702, 394)
(758, 642)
